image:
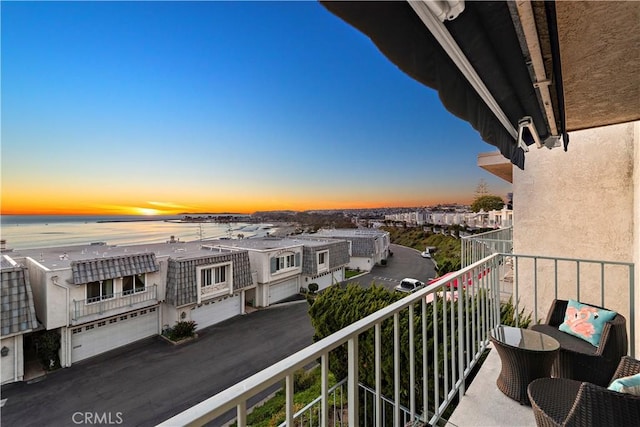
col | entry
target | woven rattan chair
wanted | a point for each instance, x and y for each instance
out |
(563, 402)
(578, 359)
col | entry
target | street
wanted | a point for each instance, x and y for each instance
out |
(405, 262)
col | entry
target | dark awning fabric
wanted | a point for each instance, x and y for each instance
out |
(110, 268)
(485, 33)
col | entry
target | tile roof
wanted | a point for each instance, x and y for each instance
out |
(108, 268)
(182, 282)
(18, 313)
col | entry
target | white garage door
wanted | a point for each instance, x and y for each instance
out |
(215, 311)
(98, 337)
(283, 290)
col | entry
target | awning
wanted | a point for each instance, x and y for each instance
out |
(110, 268)
(485, 33)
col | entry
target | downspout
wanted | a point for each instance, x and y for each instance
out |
(67, 341)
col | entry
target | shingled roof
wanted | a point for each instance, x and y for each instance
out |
(18, 311)
(109, 268)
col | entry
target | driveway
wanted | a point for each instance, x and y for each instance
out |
(150, 381)
(405, 262)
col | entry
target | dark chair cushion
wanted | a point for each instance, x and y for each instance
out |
(567, 341)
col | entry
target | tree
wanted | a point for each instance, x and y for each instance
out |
(487, 203)
(482, 189)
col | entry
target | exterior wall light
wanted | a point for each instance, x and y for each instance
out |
(4, 351)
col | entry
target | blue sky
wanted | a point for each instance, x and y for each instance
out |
(125, 107)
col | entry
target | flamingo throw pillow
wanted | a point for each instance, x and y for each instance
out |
(585, 321)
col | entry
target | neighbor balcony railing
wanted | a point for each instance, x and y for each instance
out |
(424, 376)
(97, 306)
(479, 246)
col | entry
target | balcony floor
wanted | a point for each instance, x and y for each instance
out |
(484, 405)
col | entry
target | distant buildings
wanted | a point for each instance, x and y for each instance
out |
(460, 216)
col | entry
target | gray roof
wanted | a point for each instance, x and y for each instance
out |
(109, 268)
(350, 232)
(62, 257)
(182, 285)
(256, 243)
(362, 240)
(338, 255)
(18, 311)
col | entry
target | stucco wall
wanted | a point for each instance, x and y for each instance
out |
(579, 204)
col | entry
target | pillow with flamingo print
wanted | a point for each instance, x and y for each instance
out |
(585, 321)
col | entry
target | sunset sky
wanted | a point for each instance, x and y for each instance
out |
(142, 108)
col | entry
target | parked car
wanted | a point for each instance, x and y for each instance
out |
(409, 285)
(425, 254)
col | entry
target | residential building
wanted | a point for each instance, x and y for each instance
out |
(100, 297)
(206, 285)
(283, 265)
(18, 319)
(367, 247)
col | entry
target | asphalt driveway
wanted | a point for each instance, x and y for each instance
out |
(150, 381)
(405, 262)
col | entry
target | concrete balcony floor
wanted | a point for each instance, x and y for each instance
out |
(484, 405)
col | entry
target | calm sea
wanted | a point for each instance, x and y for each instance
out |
(37, 231)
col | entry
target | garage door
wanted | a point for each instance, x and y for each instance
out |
(283, 290)
(216, 311)
(98, 337)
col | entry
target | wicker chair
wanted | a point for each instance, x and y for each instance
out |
(578, 359)
(563, 402)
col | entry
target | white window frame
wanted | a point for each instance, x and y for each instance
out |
(285, 262)
(218, 286)
(324, 265)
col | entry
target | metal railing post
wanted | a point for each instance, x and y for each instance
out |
(352, 383)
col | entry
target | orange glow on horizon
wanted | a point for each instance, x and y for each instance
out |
(35, 209)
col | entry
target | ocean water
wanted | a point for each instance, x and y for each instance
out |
(38, 231)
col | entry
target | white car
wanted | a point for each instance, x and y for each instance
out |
(425, 254)
(409, 285)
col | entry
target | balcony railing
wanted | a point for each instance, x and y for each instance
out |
(426, 344)
(479, 246)
(454, 325)
(94, 307)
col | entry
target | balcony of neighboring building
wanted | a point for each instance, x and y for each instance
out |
(112, 304)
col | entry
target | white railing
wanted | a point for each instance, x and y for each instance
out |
(117, 300)
(432, 372)
(538, 280)
(426, 374)
(479, 246)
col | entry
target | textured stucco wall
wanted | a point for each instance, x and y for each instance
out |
(580, 204)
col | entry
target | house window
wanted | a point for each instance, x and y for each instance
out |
(285, 262)
(214, 280)
(132, 284)
(323, 260)
(102, 289)
(214, 276)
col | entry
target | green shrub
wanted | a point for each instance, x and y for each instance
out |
(302, 379)
(313, 287)
(508, 315)
(48, 345)
(182, 329)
